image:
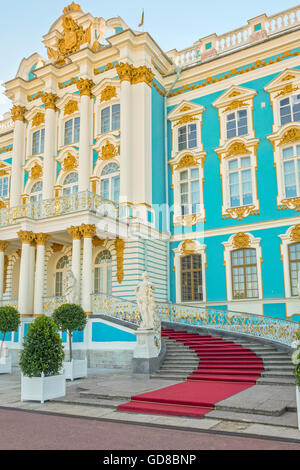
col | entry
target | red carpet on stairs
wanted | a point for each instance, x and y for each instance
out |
(224, 369)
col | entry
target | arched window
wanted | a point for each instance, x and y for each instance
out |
(70, 185)
(110, 182)
(294, 261)
(291, 170)
(103, 275)
(244, 274)
(191, 278)
(36, 193)
(62, 267)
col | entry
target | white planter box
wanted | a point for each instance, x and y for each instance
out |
(5, 365)
(75, 369)
(43, 388)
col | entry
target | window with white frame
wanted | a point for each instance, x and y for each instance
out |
(291, 170)
(187, 137)
(237, 123)
(72, 131)
(110, 182)
(244, 274)
(38, 142)
(110, 118)
(189, 184)
(103, 273)
(36, 193)
(191, 278)
(294, 263)
(4, 187)
(240, 181)
(62, 267)
(70, 184)
(290, 109)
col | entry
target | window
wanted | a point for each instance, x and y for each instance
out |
(190, 191)
(294, 260)
(4, 187)
(103, 270)
(244, 274)
(290, 109)
(187, 137)
(36, 192)
(237, 123)
(70, 184)
(191, 278)
(72, 131)
(38, 142)
(291, 170)
(110, 118)
(61, 270)
(110, 182)
(240, 182)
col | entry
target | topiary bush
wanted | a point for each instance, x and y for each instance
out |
(70, 317)
(43, 349)
(9, 321)
(296, 358)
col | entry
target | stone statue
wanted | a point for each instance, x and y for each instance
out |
(146, 303)
(70, 288)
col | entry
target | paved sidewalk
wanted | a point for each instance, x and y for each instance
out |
(264, 411)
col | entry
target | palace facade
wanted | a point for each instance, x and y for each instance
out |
(118, 157)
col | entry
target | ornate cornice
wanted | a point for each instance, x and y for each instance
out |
(26, 237)
(49, 100)
(38, 119)
(88, 230)
(84, 86)
(120, 247)
(186, 161)
(237, 148)
(241, 240)
(236, 104)
(42, 238)
(108, 93)
(18, 113)
(3, 246)
(290, 88)
(75, 233)
(290, 136)
(71, 107)
(185, 119)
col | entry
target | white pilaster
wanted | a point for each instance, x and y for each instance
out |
(84, 86)
(41, 239)
(25, 273)
(49, 154)
(76, 249)
(125, 142)
(18, 156)
(88, 231)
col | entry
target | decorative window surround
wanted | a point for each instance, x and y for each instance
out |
(68, 111)
(189, 247)
(291, 237)
(235, 148)
(36, 122)
(236, 98)
(236, 242)
(287, 136)
(34, 168)
(283, 86)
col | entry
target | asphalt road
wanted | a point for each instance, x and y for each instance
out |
(20, 430)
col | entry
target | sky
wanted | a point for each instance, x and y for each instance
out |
(172, 23)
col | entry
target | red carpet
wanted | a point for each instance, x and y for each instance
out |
(225, 369)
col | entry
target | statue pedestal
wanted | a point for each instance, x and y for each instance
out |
(145, 345)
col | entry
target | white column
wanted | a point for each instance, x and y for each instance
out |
(125, 143)
(24, 282)
(41, 239)
(3, 246)
(76, 249)
(50, 147)
(88, 231)
(18, 158)
(84, 167)
(31, 275)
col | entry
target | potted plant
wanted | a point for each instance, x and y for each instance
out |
(296, 362)
(70, 318)
(41, 361)
(9, 321)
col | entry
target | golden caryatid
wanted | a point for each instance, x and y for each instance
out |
(73, 37)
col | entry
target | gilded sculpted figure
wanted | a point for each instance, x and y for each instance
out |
(146, 303)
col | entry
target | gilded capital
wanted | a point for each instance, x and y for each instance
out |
(84, 86)
(75, 233)
(142, 74)
(124, 71)
(42, 238)
(26, 237)
(18, 113)
(49, 100)
(3, 246)
(88, 231)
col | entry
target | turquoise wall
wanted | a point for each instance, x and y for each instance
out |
(103, 333)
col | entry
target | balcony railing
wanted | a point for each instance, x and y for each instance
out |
(59, 206)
